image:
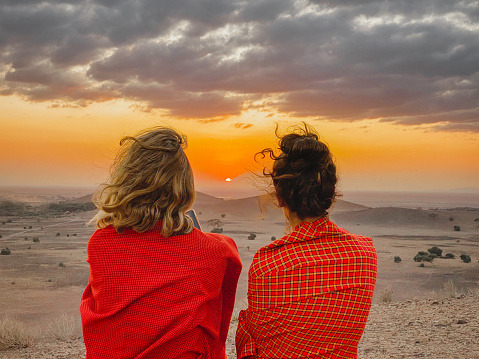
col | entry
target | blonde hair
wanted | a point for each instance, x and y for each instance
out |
(151, 180)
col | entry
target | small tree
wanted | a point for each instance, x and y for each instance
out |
(435, 250)
(457, 228)
(424, 257)
(397, 259)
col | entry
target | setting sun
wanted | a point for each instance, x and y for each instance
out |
(228, 179)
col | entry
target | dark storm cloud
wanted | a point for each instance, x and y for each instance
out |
(408, 62)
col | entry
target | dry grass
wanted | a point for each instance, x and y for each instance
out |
(450, 289)
(386, 295)
(14, 334)
(63, 328)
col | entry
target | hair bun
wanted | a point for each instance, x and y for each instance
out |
(304, 151)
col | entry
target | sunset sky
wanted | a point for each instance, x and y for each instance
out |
(391, 86)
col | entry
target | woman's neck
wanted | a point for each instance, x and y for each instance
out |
(294, 220)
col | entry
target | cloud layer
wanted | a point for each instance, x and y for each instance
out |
(409, 62)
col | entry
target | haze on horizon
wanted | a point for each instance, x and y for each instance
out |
(391, 86)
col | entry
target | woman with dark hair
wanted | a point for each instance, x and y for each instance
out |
(158, 288)
(309, 292)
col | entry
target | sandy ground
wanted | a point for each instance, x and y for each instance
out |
(40, 282)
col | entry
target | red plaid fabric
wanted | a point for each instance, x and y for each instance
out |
(309, 295)
(155, 297)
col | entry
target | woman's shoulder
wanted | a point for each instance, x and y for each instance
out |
(215, 239)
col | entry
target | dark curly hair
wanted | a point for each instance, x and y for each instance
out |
(303, 173)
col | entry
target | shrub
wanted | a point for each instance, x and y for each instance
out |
(24, 227)
(421, 265)
(4, 223)
(9, 221)
(74, 234)
(223, 215)
(435, 250)
(387, 296)
(1, 236)
(457, 228)
(13, 335)
(58, 234)
(217, 230)
(397, 259)
(36, 240)
(5, 251)
(451, 219)
(424, 257)
(68, 235)
(273, 238)
(476, 220)
(252, 236)
(449, 256)
(29, 227)
(465, 258)
(63, 328)
(61, 264)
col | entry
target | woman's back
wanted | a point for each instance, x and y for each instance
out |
(309, 294)
(153, 297)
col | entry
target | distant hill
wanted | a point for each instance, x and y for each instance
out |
(244, 208)
(387, 216)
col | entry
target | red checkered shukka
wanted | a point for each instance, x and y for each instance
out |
(309, 294)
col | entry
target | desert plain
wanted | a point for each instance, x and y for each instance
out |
(420, 309)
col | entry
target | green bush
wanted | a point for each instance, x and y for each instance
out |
(424, 257)
(457, 228)
(5, 251)
(397, 259)
(273, 238)
(36, 240)
(449, 256)
(252, 236)
(421, 265)
(217, 230)
(465, 258)
(435, 250)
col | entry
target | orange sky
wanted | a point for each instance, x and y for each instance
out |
(74, 147)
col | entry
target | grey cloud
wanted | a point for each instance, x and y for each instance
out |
(184, 104)
(408, 62)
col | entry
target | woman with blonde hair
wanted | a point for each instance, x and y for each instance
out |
(309, 293)
(158, 287)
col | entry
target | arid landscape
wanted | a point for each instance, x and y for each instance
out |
(421, 309)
